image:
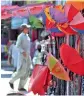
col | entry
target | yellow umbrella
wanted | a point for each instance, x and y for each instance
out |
(56, 68)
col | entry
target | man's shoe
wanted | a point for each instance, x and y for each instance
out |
(22, 89)
(11, 85)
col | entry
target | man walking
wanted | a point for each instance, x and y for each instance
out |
(24, 62)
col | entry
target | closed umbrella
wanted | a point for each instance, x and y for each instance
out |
(38, 79)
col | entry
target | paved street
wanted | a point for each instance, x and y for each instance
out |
(6, 73)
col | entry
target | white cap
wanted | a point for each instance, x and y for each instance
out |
(26, 25)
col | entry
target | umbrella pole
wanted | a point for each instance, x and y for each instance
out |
(67, 86)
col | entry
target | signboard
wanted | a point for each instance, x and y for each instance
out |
(17, 21)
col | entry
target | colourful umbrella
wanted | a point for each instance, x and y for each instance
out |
(68, 30)
(70, 11)
(78, 4)
(57, 15)
(35, 22)
(56, 68)
(78, 21)
(39, 80)
(71, 59)
(52, 27)
(48, 14)
(62, 25)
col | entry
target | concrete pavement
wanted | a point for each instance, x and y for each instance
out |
(6, 73)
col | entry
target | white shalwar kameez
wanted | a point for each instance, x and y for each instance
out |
(24, 63)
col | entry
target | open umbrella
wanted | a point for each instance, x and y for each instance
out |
(71, 59)
(48, 14)
(52, 27)
(70, 11)
(35, 22)
(56, 68)
(57, 15)
(59, 19)
(76, 3)
(78, 21)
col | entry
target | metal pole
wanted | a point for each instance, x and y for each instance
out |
(67, 86)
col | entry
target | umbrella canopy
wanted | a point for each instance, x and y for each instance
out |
(56, 68)
(78, 21)
(48, 14)
(71, 59)
(52, 27)
(57, 15)
(37, 82)
(35, 22)
(67, 30)
(79, 31)
(70, 11)
(53, 20)
(78, 4)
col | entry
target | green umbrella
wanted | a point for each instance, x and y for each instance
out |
(35, 22)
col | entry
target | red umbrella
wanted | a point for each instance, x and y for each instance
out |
(67, 30)
(78, 21)
(39, 80)
(70, 11)
(63, 27)
(71, 59)
(50, 25)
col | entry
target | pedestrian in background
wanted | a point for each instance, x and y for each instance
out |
(13, 55)
(24, 61)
